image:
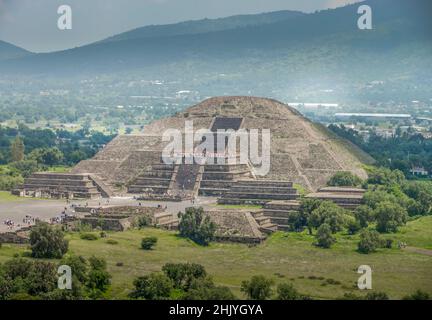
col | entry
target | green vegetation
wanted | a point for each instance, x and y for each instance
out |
(278, 258)
(344, 179)
(24, 151)
(195, 225)
(257, 288)
(403, 151)
(47, 241)
(148, 243)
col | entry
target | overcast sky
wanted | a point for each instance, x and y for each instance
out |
(32, 24)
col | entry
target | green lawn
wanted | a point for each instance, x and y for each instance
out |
(283, 257)
(6, 196)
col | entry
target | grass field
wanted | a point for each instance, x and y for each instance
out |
(6, 196)
(284, 257)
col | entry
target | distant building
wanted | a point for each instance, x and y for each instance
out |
(419, 171)
(376, 116)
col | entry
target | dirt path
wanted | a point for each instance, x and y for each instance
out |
(426, 252)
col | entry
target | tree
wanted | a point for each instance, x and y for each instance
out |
(369, 241)
(344, 179)
(286, 291)
(148, 243)
(258, 288)
(389, 216)
(182, 274)
(197, 226)
(324, 236)
(17, 150)
(329, 213)
(47, 156)
(205, 289)
(363, 215)
(307, 206)
(155, 286)
(98, 280)
(47, 241)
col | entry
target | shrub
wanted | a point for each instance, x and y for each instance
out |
(324, 236)
(182, 274)
(205, 289)
(98, 278)
(112, 241)
(103, 234)
(418, 295)
(353, 226)
(155, 286)
(258, 288)
(329, 213)
(47, 241)
(88, 236)
(148, 243)
(344, 179)
(389, 216)
(143, 221)
(286, 291)
(196, 226)
(377, 296)
(369, 241)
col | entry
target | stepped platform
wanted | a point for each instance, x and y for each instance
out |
(59, 185)
(155, 180)
(348, 198)
(258, 192)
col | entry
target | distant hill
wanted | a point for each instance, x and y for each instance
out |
(9, 51)
(205, 25)
(269, 55)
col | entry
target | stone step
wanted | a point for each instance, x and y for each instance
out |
(59, 187)
(283, 205)
(235, 201)
(152, 181)
(279, 220)
(212, 192)
(263, 189)
(282, 227)
(263, 220)
(253, 195)
(265, 183)
(278, 213)
(66, 182)
(216, 183)
(268, 228)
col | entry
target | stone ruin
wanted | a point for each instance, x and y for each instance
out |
(301, 152)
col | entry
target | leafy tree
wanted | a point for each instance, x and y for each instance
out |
(205, 289)
(385, 176)
(148, 243)
(389, 216)
(197, 226)
(47, 241)
(155, 286)
(324, 236)
(98, 279)
(17, 150)
(344, 179)
(363, 215)
(329, 213)
(369, 241)
(182, 274)
(42, 278)
(307, 206)
(286, 291)
(258, 288)
(25, 167)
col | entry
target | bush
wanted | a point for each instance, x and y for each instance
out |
(183, 274)
(47, 241)
(112, 241)
(258, 288)
(377, 296)
(286, 291)
(353, 226)
(389, 216)
(418, 295)
(196, 226)
(155, 286)
(98, 278)
(329, 213)
(204, 289)
(344, 179)
(143, 221)
(369, 241)
(324, 236)
(148, 243)
(88, 236)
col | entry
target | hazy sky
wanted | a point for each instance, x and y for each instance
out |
(32, 24)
